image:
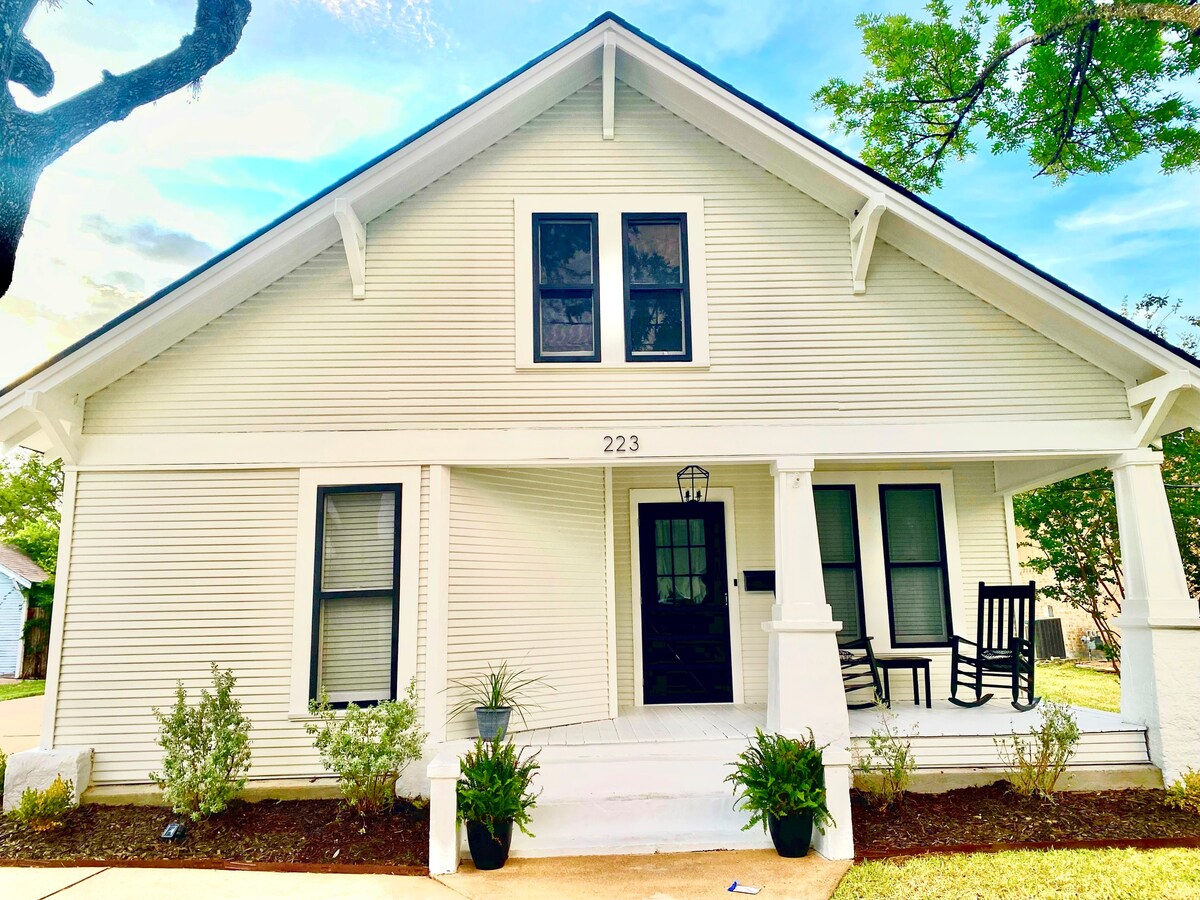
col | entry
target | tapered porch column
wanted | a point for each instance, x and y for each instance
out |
(1160, 624)
(804, 680)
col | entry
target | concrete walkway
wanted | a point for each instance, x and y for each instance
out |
(667, 876)
(20, 723)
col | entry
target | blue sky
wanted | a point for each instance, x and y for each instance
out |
(319, 86)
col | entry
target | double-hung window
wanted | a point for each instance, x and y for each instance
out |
(566, 288)
(914, 550)
(841, 564)
(356, 593)
(657, 310)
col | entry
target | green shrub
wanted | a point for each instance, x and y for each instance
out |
(495, 785)
(884, 771)
(778, 776)
(368, 747)
(44, 810)
(1038, 760)
(1184, 793)
(3, 769)
(206, 749)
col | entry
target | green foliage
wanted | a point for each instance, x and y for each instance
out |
(29, 492)
(778, 776)
(495, 785)
(1184, 792)
(368, 747)
(3, 769)
(884, 771)
(1079, 85)
(1038, 760)
(44, 810)
(206, 749)
(498, 687)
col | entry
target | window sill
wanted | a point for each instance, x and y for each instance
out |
(627, 366)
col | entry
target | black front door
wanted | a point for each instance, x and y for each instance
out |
(685, 603)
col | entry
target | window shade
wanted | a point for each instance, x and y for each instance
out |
(918, 586)
(356, 648)
(360, 540)
(838, 536)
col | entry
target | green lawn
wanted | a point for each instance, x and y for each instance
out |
(29, 688)
(1029, 875)
(1065, 682)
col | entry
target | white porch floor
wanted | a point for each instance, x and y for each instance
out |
(945, 736)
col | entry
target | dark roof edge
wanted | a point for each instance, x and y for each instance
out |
(683, 60)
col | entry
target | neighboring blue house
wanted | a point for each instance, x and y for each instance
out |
(17, 574)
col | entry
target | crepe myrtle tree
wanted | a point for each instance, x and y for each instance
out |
(1080, 85)
(30, 141)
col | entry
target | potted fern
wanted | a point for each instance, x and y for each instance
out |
(493, 795)
(493, 695)
(780, 781)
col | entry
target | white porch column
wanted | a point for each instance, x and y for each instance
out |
(1160, 624)
(804, 679)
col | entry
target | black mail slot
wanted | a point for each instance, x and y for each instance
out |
(758, 580)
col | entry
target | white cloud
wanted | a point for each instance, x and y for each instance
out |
(408, 17)
(1148, 210)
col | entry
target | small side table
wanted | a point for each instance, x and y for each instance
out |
(914, 664)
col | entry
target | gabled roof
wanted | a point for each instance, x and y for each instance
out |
(767, 138)
(20, 567)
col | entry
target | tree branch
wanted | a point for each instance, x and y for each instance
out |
(218, 29)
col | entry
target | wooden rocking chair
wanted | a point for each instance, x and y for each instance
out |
(1001, 656)
(859, 672)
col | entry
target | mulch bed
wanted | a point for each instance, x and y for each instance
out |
(308, 835)
(993, 817)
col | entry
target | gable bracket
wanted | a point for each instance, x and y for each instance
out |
(1158, 396)
(354, 239)
(61, 423)
(863, 229)
(608, 88)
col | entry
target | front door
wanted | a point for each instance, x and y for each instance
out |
(685, 603)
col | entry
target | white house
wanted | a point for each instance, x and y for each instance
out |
(18, 573)
(432, 419)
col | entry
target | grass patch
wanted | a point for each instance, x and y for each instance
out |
(1065, 682)
(29, 688)
(1030, 875)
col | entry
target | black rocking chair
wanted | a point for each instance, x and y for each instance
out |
(1001, 656)
(859, 672)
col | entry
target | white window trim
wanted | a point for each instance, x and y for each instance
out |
(409, 477)
(667, 495)
(609, 208)
(870, 539)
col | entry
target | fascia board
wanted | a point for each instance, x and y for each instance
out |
(844, 188)
(19, 579)
(312, 229)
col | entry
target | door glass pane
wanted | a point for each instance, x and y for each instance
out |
(662, 561)
(360, 541)
(912, 525)
(568, 323)
(665, 590)
(681, 561)
(656, 320)
(655, 252)
(565, 253)
(356, 646)
(919, 605)
(679, 532)
(662, 533)
(697, 532)
(699, 561)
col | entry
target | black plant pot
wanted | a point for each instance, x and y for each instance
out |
(489, 851)
(791, 834)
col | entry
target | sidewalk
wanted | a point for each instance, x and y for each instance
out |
(666, 876)
(20, 723)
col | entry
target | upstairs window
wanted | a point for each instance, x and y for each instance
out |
(566, 278)
(841, 565)
(914, 550)
(356, 600)
(657, 308)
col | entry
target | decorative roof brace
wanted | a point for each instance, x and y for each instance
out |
(61, 422)
(862, 239)
(1159, 395)
(354, 239)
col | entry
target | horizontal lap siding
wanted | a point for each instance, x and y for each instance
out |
(433, 343)
(527, 586)
(171, 571)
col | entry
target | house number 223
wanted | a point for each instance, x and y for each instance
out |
(619, 443)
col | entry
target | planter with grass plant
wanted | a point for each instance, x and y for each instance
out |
(494, 695)
(494, 794)
(780, 781)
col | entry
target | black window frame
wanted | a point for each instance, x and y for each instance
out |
(857, 564)
(320, 596)
(889, 565)
(551, 218)
(630, 288)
